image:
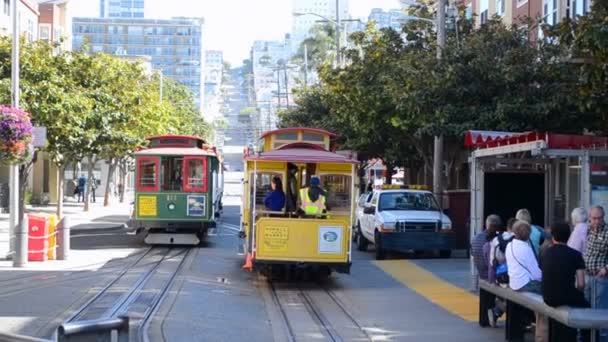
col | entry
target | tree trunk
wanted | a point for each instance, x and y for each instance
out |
(89, 185)
(60, 186)
(111, 168)
(123, 180)
(389, 173)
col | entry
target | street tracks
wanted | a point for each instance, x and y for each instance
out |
(137, 291)
(315, 313)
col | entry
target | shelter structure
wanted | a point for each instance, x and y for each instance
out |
(549, 174)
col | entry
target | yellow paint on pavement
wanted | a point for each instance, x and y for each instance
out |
(450, 297)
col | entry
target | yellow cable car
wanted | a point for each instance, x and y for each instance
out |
(284, 234)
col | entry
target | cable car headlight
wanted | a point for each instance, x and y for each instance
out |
(171, 206)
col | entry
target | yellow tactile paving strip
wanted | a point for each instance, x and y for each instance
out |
(450, 297)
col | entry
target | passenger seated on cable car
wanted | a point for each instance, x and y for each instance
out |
(275, 200)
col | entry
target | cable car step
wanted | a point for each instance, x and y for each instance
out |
(171, 239)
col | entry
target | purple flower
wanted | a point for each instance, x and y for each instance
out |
(15, 134)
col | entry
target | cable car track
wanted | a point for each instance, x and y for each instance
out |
(338, 326)
(155, 274)
(76, 276)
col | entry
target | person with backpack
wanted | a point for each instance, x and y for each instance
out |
(537, 234)
(498, 263)
(497, 267)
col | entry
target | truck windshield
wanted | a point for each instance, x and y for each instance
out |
(407, 201)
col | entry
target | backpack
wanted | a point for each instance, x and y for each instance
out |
(500, 267)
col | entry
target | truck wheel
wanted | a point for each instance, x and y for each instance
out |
(380, 252)
(361, 240)
(445, 254)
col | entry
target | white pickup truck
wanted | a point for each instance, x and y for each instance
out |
(402, 220)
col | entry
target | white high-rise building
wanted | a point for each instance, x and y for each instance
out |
(303, 23)
(121, 8)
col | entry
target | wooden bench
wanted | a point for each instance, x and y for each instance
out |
(518, 302)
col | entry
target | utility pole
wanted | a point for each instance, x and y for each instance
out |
(19, 230)
(438, 140)
(286, 87)
(305, 66)
(338, 59)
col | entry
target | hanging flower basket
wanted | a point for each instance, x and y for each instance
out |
(15, 135)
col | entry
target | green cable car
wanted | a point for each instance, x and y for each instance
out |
(178, 189)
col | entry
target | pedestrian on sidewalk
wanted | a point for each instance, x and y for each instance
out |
(596, 261)
(82, 182)
(537, 234)
(480, 250)
(93, 188)
(578, 238)
(563, 271)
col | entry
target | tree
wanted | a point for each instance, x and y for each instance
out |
(584, 44)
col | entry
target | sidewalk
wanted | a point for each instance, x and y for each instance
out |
(98, 217)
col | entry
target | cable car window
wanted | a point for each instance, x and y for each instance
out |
(147, 171)
(264, 188)
(287, 136)
(311, 137)
(172, 173)
(339, 192)
(196, 171)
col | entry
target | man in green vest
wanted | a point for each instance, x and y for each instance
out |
(312, 199)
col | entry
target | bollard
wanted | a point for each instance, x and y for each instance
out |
(21, 245)
(63, 239)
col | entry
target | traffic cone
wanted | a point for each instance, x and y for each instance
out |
(248, 262)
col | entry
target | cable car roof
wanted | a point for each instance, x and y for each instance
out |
(300, 155)
(174, 151)
(298, 129)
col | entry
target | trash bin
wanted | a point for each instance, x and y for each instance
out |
(38, 231)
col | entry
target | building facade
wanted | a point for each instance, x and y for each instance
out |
(273, 79)
(174, 45)
(392, 18)
(55, 23)
(303, 23)
(28, 14)
(213, 70)
(121, 8)
(516, 11)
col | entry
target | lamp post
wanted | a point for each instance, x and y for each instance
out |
(18, 224)
(438, 140)
(160, 75)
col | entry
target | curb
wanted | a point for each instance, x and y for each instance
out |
(116, 228)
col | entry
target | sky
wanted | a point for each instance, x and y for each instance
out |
(232, 25)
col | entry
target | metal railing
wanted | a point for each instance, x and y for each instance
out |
(102, 330)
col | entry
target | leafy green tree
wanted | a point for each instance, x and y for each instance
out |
(584, 44)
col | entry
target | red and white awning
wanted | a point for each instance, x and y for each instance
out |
(476, 138)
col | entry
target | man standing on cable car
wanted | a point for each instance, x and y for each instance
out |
(312, 199)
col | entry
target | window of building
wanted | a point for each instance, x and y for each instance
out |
(44, 32)
(484, 17)
(500, 7)
(550, 12)
(135, 30)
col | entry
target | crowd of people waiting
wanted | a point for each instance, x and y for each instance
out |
(566, 264)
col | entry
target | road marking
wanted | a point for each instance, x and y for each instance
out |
(230, 227)
(450, 297)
